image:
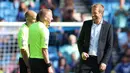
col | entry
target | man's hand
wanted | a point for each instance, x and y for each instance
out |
(84, 55)
(29, 70)
(103, 66)
(50, 69)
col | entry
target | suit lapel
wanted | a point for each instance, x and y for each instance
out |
(100, 36)
(102, 30)
(89, 30)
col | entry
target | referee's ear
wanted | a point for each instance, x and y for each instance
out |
(38, 17)
(45, 18)
(26, 18)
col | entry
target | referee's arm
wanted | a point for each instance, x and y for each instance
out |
(44, 45)
(25, 57)
(21, 40)
(46, 55)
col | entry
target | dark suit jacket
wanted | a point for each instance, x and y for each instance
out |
(105, 42)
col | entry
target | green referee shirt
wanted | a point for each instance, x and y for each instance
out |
(38, 39)
(23, 38)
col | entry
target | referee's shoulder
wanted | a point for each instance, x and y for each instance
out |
(22, 28)
(33, 25)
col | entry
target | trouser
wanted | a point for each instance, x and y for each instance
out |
(90, 65)
(38, 65)
(22, 65)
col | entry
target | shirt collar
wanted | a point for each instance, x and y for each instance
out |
(41, 23)
(99, 24)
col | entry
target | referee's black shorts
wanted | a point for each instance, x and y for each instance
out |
(22, 65)
(38, 65)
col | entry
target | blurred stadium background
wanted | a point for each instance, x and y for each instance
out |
(64, 31)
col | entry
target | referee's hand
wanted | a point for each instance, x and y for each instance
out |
(50, 69)
(28, 69)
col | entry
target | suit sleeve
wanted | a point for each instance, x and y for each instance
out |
(109, 44)
(80, 41)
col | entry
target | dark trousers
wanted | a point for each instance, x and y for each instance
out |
(22, 65)
(90, 65)
(38, 65)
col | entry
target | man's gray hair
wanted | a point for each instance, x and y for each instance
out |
(100, 6)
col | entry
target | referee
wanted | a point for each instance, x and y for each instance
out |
(23, 41)
(38, 41)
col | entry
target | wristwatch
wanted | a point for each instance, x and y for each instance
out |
(48, 64)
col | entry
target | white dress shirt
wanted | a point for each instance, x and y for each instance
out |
(95, 32)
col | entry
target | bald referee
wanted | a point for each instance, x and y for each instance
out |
(38, 41)
(23, 41)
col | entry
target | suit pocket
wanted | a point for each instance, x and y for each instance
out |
(102, 44)
(103, 38)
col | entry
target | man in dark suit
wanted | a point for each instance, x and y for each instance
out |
(95, 42)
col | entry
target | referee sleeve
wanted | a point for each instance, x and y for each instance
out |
(21, 40)
(44, 38)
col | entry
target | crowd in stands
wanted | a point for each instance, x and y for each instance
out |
(63, 49)
(116, 11)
